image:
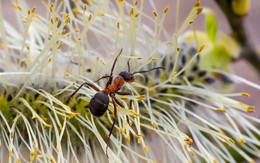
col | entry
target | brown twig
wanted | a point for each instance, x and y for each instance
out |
(239, 33)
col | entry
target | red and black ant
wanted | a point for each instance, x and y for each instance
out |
(99, 102)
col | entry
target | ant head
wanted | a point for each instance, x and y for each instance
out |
(128, 76)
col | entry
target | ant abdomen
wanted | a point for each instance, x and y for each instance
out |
(99, 103)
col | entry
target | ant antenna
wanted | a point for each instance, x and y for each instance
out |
(112, 69)
(128, 64)
(149, 70)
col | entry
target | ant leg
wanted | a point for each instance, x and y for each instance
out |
(119, 103)
(130, 107)
(110, 132)
(123, 93)
(102, 78)
(91, 85)
(112, 69)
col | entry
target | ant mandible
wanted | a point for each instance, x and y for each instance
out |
(99, 102)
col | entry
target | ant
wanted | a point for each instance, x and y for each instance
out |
(99, 102)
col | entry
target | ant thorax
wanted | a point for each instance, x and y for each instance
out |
(117, 84)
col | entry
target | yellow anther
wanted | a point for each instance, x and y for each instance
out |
(226, 143)
(215, 161)
(241, 103)
(57, 19)
(185, 147)
(197, 4)
(170, 42)
(67, 19)
(49, 60)
(122, 130)
(75, 10)
(140, 99)
(88, 1)
(67, 116)
(76, 114)
(174, 35)
(29, 12)
(18, 160)
(166, 9)
(10, 153)
(192, 153)
(221, 132)
(36, 15)
(100, 14)
(231, 140)
(137, 14)
(101, 60)
(127, 138)
(34, 154)
(154, 59)
(63, 13)
(136, 2)
(241, 141)
(85, 7)
(139, 57)
(178, 49)
(130, 123)
(155, 13)
(250, 111)
(132, 115)
(201, 47)
(60, 126)
(1, 45)
(60, 46)
(90, 16)
(52, 160)
(28, 48)
(20, 8)
(250, 107)
(218, 109)
(140, 96)
(47, 125)
(12, 134)
(14, 6)
(79, 38)
(139, 140)
(199, 11)
(51, 7)
(123, 98)
(36, 148)
(62, 1)
(146, 149)
(245, 94)
(33, 9)
(57, 149)
(132, 11)
(118, 25)
(136, 136)
(153, 125)
(63, 32)
(67, 74)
